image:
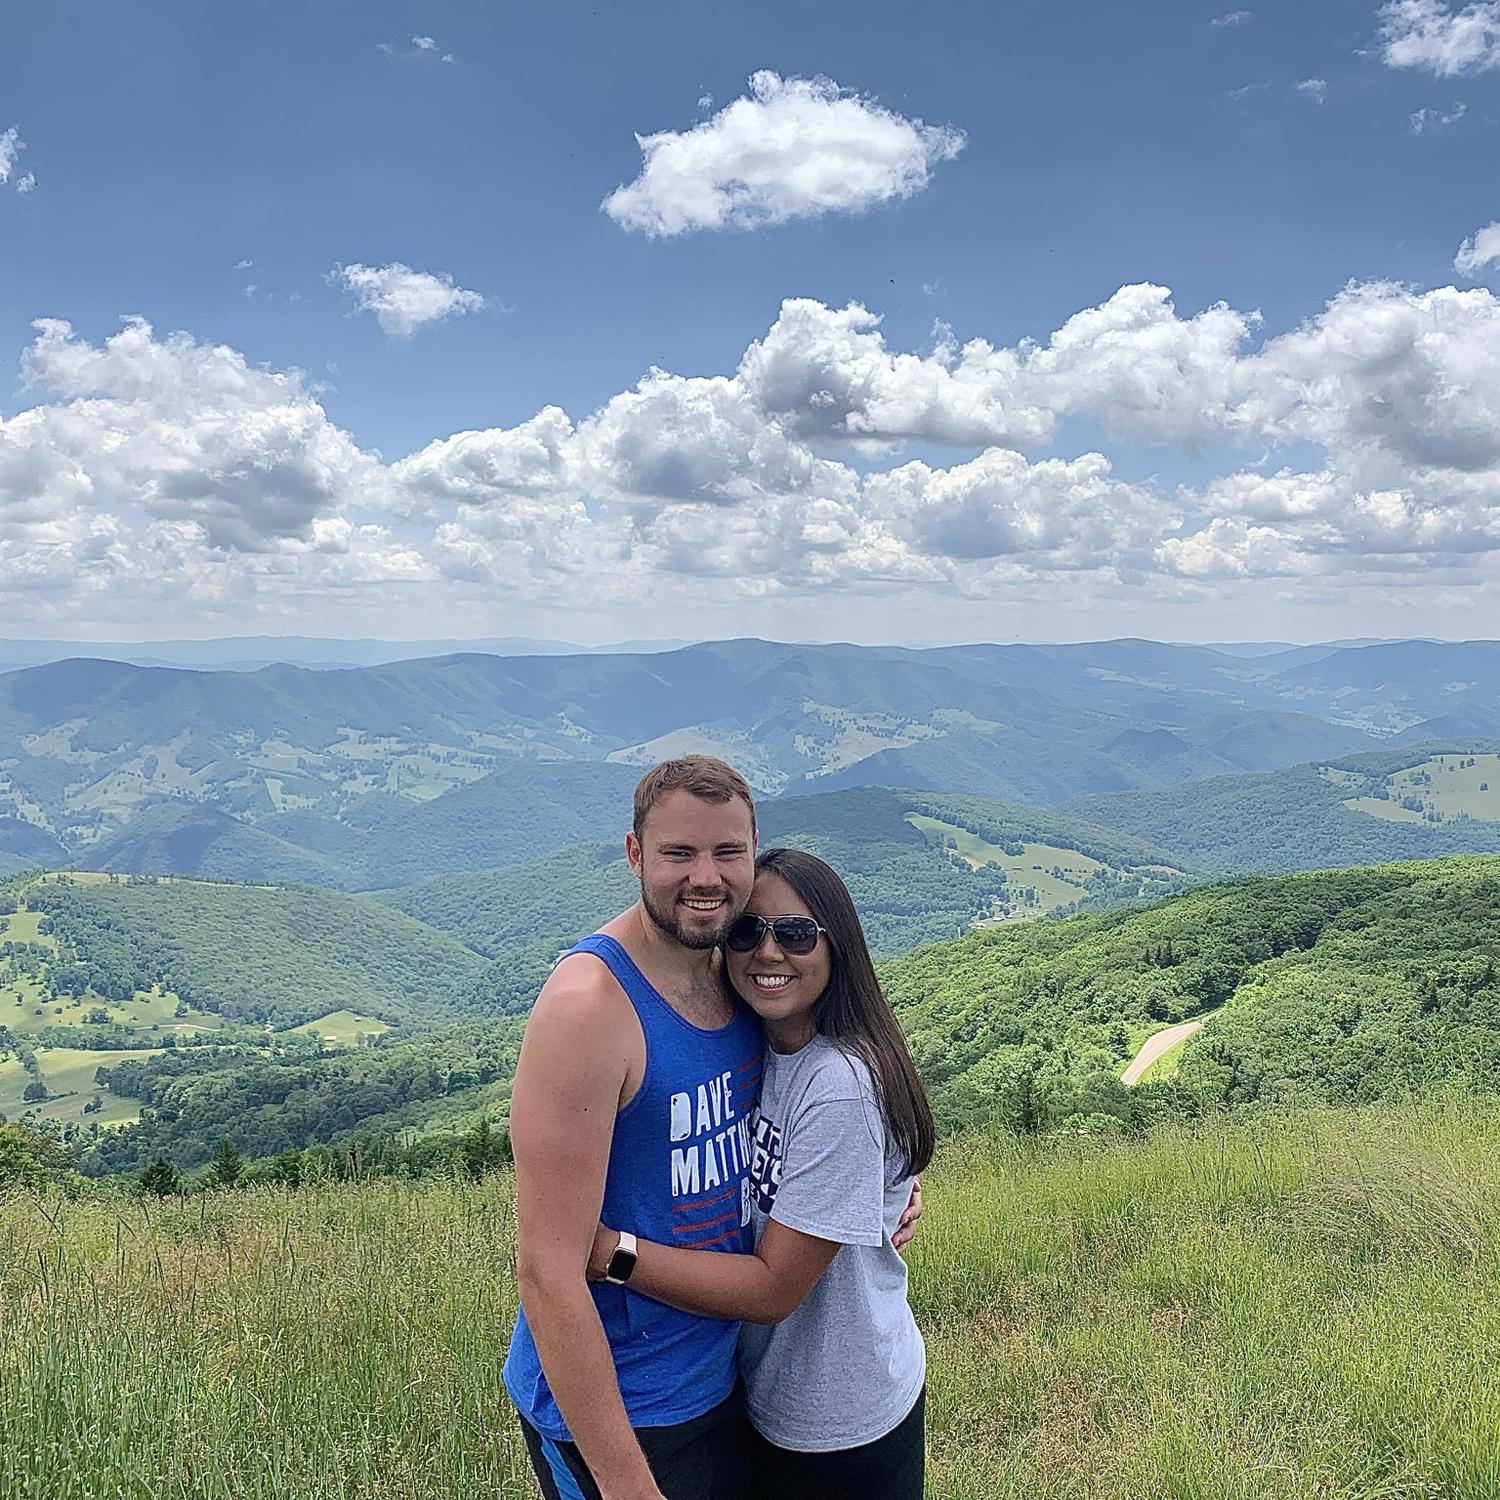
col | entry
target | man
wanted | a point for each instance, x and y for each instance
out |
(632, 1096)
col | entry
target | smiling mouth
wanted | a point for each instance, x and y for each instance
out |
(703, 903)
(770, 983)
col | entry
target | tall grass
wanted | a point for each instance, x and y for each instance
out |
(337, 1342)
(1279, 1308)
(1299, 1307)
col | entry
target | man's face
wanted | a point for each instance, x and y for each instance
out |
(696, 863)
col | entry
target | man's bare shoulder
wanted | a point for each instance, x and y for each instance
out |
(580, 991)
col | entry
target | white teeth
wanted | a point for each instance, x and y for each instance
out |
(702, 905)
(771, 981)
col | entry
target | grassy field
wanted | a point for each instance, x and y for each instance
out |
(150, 1010)
(1033, 867)
(1444, 784)
(340, 1027)
(1387, 812)
(1303, 1309)
(69, 1073)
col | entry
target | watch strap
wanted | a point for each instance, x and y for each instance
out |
(622, 1262)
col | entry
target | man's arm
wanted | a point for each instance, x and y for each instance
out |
(760, 1288)
(573, 1064)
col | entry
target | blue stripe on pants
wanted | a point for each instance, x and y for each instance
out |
(562, 1475)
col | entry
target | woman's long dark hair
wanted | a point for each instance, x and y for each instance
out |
(853, 1010)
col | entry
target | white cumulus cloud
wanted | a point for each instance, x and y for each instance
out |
(404, 300)
(1479, 252)
(179, 430)
(793, 149)
(829, 372)
(1066, 514)
(1427, 34)
(493, 466)
(699, 440)
(174, 464)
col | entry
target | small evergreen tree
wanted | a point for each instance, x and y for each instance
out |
(227, 1166)
(161, 1178)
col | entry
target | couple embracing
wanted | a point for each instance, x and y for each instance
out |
(717, 1130)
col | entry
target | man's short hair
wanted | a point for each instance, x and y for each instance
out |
(701, 775)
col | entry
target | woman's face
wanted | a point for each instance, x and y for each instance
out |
(780, 987)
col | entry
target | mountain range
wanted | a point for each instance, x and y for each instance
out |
(248, 653)
(123, 766)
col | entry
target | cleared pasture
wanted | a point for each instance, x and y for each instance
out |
(1057, 875)
(343, 1026)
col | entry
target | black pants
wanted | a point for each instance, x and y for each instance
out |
(891, 1468)
(704, 1459)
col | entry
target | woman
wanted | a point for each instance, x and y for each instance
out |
(832, 1360)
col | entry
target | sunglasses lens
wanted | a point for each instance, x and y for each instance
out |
(797, 935)
(745, 934)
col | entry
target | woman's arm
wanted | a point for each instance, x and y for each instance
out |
(759, 1288)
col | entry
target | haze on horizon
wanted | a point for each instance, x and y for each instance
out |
(1172, 324)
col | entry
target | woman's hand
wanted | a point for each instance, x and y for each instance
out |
(606, 1242)
(906, 1230)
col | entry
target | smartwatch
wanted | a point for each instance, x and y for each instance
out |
(622, 1262)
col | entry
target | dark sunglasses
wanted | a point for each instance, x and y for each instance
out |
(795, 935)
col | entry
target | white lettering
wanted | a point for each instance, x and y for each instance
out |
(684, 1170)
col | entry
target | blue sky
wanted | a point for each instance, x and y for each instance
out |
(1265, 162)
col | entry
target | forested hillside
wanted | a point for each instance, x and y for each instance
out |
(385, 776)
(88, 747)
(191, 1099)
(1340, 985)
(1307, 817)
(270, 955)
(194, 839)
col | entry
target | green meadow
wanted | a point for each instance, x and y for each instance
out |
(341, 1028)
(1057, 875)
(1303, 1307)
(68, 1073)
(1446, 786)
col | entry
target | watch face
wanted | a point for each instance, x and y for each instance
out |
(621, 1264)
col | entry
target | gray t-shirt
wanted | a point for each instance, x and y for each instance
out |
(847, 1365)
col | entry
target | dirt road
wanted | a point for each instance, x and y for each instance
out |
(1154, 1046)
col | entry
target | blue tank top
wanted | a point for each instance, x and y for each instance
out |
(678, 1174)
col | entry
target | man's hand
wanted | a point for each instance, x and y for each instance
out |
(906, 1230)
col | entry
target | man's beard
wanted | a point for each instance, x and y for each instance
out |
(670, 922)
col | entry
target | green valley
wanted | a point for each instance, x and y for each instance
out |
(1339, 986)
